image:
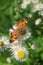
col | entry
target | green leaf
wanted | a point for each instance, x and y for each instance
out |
(5, 3)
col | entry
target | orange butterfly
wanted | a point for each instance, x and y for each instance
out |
(21, 30)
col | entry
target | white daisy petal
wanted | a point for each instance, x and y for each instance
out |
(26, 35)
(3, 38)
(14, 27)
(15, 45)
(11, 30)
(16, 41)
(6, 42)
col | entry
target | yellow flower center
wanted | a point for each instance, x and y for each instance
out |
(21, 54)
(1, 43)
(35, 0)
(27, 0)
(39, 5)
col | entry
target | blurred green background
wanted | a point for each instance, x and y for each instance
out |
(10, 13)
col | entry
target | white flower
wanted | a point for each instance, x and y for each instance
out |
(23, 6)
(16, 41)
(37, 22)
(34, 9)
(4, 40)
(33, 47)
(39, 6)
(27, 1)
(8, 60)
(26, 35)
(14, 48)
(14, 27)
(35, 1)
(21, 54)
(41, 13)
(15, 45)
(11, 30)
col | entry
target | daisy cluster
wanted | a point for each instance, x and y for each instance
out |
(19, 52)
(17, 48)
(37, 5)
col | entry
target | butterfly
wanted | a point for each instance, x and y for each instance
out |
(21, 30)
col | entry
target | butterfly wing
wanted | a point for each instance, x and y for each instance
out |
(14, 35)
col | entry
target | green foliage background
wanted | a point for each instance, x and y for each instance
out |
(10, 13)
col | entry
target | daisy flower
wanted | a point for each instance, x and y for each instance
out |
(21, 54)
(39, 6)
(34, 9)
(37, 22)
(4, 42)
(35, 1)
(23, 6)
(14, 48)
(8, 60)
(27, 2)
(33, 47)
(15, 45)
